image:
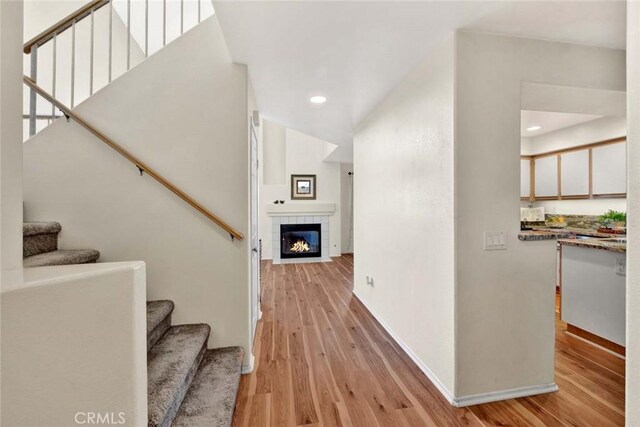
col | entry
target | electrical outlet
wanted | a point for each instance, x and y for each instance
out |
(621, 266)
(495, 240)
(369, 280)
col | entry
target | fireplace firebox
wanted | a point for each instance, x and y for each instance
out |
(300, 241)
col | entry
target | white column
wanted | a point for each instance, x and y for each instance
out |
(633, 214)
(10, 137)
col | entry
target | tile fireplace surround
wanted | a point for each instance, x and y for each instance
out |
(301, 213)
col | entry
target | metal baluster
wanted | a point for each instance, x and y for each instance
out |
(128, 34)
(146, 28)
(110, 37)
(164, 22)
(32, 95)
(181, 16)
(54, 74)
(91, 56)
(73, 62)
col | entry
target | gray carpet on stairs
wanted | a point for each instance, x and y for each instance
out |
(171, 365)
(39, 237)
(64, 257)
(211, 398)
(158, 320)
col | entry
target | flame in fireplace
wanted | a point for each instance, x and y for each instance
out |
(300, 246)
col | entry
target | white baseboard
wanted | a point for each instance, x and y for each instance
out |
(463, 400)
(476, 399)
(424, 368)
(248, 367)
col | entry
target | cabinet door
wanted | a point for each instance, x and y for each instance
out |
(574, 173)
(610, 169)
(525, 178)
(546, 176)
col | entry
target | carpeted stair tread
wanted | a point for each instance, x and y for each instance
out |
(65, 257)
(158, 320)
(39, 237)
(211, 398)
(40, 227)
(171, 365)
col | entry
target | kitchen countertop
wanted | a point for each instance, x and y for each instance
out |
(610, 244)
(548, 233)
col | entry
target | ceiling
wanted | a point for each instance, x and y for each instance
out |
(550, 121)
(355, 52)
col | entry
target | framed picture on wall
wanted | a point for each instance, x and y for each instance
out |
(303, 187)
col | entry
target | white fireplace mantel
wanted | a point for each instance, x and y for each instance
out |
(301, 208)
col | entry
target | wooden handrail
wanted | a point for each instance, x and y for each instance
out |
(64, 23)
(133, 159)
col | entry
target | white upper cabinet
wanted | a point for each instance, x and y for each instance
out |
(546, 176)
(610, 169)
(574, 173)
(525, 178)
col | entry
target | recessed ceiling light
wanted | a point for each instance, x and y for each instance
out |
(318, 99)
(533, 128)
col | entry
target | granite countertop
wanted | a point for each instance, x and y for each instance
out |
(547, 233)
(532, 235)
(610, 244)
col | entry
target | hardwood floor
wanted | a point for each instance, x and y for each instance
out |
(322, 360)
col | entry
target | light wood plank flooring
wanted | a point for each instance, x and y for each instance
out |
(322, 360)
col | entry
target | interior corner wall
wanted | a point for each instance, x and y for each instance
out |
(404, 223)
(186, 116)
(505, 307)
(11, 136)
(303, 154)
(632, 397)
(346, 206)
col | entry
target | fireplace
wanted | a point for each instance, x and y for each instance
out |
(300, 241)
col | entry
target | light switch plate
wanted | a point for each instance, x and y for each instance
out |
(495, 240)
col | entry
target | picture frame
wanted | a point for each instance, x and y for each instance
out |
(303, 187)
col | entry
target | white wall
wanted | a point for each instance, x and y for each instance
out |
(303, 155)
(10, 136)
(581, 134)
(404, 222)
(504, 307)
(633, 193)
(186, 116)
(74, 340)
(346, 206)
(274, 154)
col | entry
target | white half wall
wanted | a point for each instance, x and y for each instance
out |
(303, 155)
(633, 193)
(10, 137)
(504, 307)
(404, 214)
(185, 115)
(74, 341)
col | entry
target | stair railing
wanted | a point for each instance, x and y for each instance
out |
(142, 166)
(183, 19)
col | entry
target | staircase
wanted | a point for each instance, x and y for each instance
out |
(188, 385)
(40, 247)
